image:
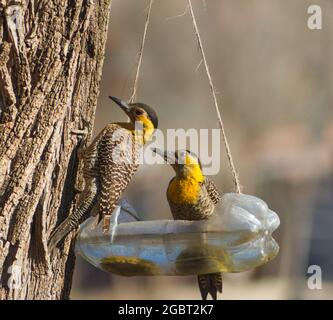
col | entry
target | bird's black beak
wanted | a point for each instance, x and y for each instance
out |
(168, 156)
(122, 104)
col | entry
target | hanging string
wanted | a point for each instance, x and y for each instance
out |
(136, 81)
(224, 136)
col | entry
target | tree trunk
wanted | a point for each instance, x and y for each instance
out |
(51, 55)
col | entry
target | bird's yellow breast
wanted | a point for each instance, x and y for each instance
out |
(184, 191)
(140, 136)
(147, 130)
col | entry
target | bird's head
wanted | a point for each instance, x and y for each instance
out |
(139, 113)
(185, 163)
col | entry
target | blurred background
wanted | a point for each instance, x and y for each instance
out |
(274, 81)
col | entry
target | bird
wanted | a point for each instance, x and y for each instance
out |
(192, 196)
(109, 164)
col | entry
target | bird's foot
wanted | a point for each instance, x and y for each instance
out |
(80, 132)
(106, 223)
(83, 141)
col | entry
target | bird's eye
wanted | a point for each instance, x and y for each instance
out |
(138, 112)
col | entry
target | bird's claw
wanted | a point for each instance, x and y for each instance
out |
(80, 132)
(106, 223)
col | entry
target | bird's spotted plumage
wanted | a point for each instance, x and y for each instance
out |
(212, 191)
(119, 154)
(109, 164)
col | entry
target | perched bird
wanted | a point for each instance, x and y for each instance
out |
(109, 163)
(192, 196)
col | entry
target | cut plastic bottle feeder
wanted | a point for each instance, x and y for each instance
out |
(236, 238)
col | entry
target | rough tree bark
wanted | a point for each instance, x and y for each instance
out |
(51, 55)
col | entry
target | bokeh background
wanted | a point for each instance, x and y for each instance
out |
(274, 80)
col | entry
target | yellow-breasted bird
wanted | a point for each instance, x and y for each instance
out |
(192, 196)
(109, 163)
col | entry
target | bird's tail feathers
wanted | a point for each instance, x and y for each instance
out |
(74, 220)
(210, 283)
(60, 232)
